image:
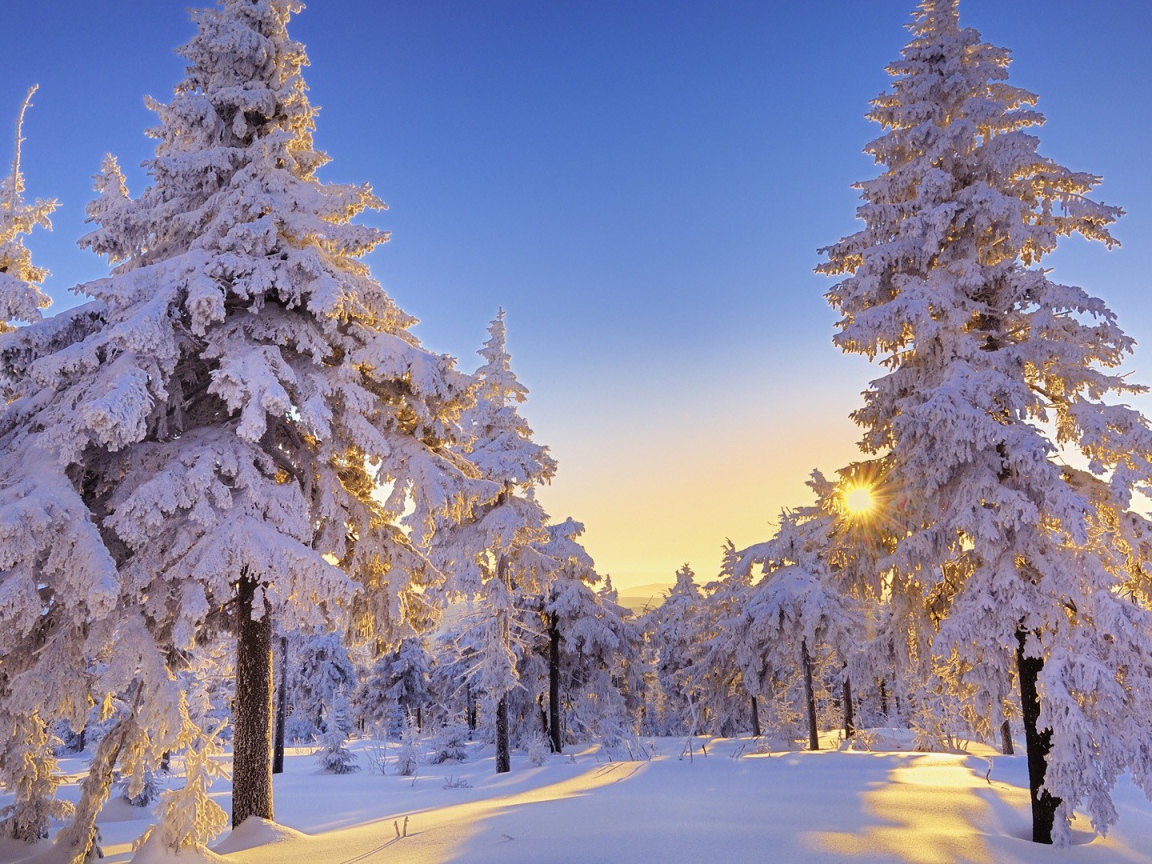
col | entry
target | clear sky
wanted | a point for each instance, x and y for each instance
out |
(641, 184)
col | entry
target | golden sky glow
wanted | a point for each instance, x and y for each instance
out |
(657, 487)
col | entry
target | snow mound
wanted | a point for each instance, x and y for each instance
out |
(253, 832)
(153, 851)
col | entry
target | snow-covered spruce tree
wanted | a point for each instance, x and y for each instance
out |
(991, 367)
(673, 630)
(28, 765)
(322, 680)
(591, 644)
(845, 544)
(493, 556)
(396, 687)
(226, 427)
(796, 610)
(729, 698)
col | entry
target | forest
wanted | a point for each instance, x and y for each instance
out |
(243, 509)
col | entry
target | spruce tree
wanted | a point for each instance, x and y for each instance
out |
(493, 555)
(592, 644)
(28, 764)
(673, 629)
(991, 368)
(200, 459)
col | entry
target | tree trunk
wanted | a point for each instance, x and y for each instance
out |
(849, 712)
(543, 718)
(281, 709)
(471, 710)
(252, 709)
(756, 733)
(884, 700)
(78, 838)
(503, 758)
(1006, 738)
(809, 696)
(554, 682)
(1037, 742)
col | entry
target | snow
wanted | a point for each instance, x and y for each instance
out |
(255, 832)
(729, 800)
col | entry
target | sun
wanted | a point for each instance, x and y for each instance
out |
(858, 500)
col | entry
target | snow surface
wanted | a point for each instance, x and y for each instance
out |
(729, 800)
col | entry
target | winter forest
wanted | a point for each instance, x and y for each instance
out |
(276, 585)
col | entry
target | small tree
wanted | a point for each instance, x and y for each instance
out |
(20, 295)
(492, 555)
(396, 687)
(795, 610)
(673, 627)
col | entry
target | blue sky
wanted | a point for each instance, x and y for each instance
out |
(642, 186)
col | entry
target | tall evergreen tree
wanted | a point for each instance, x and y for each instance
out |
(27, 762)
(493, 555)
(202, 457)
(991, 368)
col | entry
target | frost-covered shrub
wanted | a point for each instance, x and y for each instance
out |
(450, 743)
(334, 756)
(409, 754)
(299, 729)
(537, 749)
(140, 790)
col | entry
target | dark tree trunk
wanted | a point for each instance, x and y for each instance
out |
(809, 696)
(1037, 742)
(884, 700)
(419, 718)
(281, 709)
(554, 682)
(471, 710)
(503, 757)
(756, 733)
(849, 712)
(1006, 738)
(252, 709)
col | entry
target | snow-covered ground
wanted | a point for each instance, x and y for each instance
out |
(730, 800)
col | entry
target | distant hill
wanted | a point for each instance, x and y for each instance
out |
(641, 597)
